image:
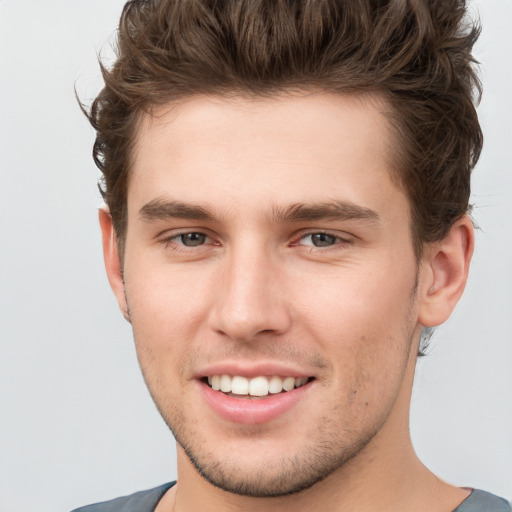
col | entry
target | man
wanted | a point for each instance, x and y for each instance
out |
(287, 186)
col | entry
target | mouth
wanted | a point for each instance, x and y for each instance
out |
(256, 396)
(238, 386)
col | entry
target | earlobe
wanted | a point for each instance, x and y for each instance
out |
(445, 272)
(111, 258)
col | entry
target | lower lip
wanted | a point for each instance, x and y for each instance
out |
(252, 411)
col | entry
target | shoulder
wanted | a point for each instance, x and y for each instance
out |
(142, 501)
(481, 501)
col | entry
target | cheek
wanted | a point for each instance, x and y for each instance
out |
(163, 299)
(357, 306)
(364, 325)
(166, 312)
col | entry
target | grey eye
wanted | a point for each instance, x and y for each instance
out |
(323, 240)
(193, 239)
(320, 240)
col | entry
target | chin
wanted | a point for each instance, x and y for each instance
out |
(261, 476)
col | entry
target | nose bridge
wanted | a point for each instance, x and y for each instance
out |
(248, 301)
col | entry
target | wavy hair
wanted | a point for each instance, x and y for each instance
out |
(415, 53)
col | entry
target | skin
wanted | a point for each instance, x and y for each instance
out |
(253, 288)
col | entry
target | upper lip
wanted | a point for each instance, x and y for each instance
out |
(251, 369)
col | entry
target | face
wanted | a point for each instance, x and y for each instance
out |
(270, 279)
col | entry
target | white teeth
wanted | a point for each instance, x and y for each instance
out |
(257, 386)
(225, 383)
(288, 383)
(240, 385)
(275, 385)
(300, 381)
(216, 382)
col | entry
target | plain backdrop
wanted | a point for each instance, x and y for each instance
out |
(76, 422)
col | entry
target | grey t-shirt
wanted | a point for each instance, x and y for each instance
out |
(146, 501)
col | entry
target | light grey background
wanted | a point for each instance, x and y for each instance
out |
(76, 423)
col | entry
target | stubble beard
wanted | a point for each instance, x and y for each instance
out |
(323, 456)
(327, 451)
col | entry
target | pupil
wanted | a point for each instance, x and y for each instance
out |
(193, 239)
(323, 240)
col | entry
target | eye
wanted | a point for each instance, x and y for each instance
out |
(190, 239)
(320, 240)
(188, 243)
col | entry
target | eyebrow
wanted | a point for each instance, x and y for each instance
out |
(159, 209)
(332, 210)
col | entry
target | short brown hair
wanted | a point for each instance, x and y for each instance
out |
(416, 53)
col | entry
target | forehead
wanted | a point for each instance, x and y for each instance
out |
(257, 153)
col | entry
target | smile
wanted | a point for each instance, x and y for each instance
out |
(254, 400)
(237, 385)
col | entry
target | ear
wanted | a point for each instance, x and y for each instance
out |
(112, 262)
(444, 273)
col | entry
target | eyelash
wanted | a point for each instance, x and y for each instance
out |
(338, 241)
(170, 242)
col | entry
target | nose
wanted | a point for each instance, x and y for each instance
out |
(249, 298)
